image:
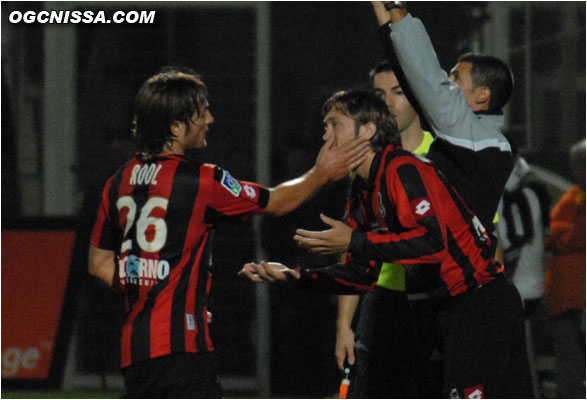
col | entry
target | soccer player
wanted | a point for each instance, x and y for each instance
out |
(464, 109)
(402, 210)
(151, 233)
(391, 333)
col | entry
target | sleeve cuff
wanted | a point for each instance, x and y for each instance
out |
(263, 197)
(305, 277)
(385, 29)
(358, 240)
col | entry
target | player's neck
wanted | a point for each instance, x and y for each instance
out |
(173, 148)
(365, 167)
(412, 136)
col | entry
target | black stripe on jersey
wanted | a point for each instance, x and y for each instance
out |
(462, 260)
(184, 191)
(391, 217)
(201, 295)
(113, 211)
(178, 306)
(486, 251)
(350, 278)
(412, 181)
(183, 195)
(414, 187)
(140, 195)
(140, 339)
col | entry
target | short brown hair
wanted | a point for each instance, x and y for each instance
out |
(364, 106)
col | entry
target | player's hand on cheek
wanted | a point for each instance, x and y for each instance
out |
(335, 162)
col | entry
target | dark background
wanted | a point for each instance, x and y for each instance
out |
(316, 49)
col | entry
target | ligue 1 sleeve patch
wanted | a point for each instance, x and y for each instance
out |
(422, 207)
(231, 184)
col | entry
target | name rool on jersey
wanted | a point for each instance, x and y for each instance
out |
(145, 174)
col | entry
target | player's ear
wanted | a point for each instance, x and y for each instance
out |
(176, 127)
(482, 95)
(367, 131)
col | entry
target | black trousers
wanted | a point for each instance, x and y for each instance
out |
(396, 343)
(175, 376)
(484, 344)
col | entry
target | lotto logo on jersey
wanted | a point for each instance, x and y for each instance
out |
(250, 191)
(140, 271)
(231, 184)
(422, 207)
(475, 392)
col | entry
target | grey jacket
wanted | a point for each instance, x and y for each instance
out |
(470, 149)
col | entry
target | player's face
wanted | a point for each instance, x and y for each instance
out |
(339, 127)
(461, 75)
(195, 135)
(388, 87)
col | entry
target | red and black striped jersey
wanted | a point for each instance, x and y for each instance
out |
(408, 214)
(156, 214)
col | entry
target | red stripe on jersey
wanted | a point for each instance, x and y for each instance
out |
(350, 284)
(160, 323)
(190, 305)
(161, 315)
(196, 231)
(126, 358)
(125, 189)
(208, 339)
(102, 215)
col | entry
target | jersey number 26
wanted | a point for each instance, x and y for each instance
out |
(159, 228)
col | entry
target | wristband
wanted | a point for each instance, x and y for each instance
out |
(395, 4)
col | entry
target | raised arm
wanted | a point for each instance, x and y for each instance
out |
(441, 100)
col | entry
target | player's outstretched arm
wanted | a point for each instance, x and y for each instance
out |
(332, 241)
(333, 163)
(268, 272)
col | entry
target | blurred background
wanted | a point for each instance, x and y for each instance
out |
(67, 106)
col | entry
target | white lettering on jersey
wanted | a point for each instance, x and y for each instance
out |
(147, 272)
(145, 174)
